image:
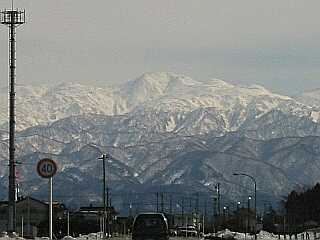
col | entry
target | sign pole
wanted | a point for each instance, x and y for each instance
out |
(47, 168)
(50, 208)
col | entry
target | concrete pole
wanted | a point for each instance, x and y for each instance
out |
(105, 220)
(157, 201)
(22, 226)
(203, 225)
(29, 217)
(68, 224)
(186, 224)
(162, 203)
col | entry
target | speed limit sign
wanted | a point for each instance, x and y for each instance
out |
(46, 168)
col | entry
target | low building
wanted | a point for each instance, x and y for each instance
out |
(3, 216)
(32, 216)
(90, 219)
(123, 225)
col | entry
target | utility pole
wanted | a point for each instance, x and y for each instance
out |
(204, 213)
(205, 209)
(157, 201)
(108, 211)
(215, 208)
(13, 19)
(197, 202)
(197, 210)
(214, 213)
(170, 210)
(218, 198)
(108, 198)
(104, 157)
(170, 204)
(22, 222)
(182, 207)
(162, 203)
(68, 223)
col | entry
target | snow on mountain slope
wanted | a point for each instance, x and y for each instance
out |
(41, 105)
(233, 104)
(151, 157)
(152, 85)
(152, 92)
(164, 128)
(278, 165)
(311, 98)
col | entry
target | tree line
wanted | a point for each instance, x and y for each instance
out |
(300, 211)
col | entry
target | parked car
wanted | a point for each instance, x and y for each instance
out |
(150, 226)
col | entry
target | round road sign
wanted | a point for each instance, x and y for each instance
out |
(46, 168)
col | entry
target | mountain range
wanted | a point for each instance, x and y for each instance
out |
(164, 132)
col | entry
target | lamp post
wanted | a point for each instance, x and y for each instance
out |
(217, 188)
(238, 205)
(238, 214)
(224, 215)
(248, 220)
(255, 198)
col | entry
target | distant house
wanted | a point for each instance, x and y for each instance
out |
(3, 216)
(180, 220)
(90, 219)
(32, 216)
(244, 220)
(123, 225)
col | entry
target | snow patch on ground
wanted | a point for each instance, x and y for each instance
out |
(262, 235)
(241, 236)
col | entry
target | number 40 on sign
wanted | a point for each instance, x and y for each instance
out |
(46, 168)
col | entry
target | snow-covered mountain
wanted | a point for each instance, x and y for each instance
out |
(164, 128)
(311, 98)
(152, 92)
(145, 159)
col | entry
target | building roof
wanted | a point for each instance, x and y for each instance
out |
(3, 203)
(24, 198)
(55, 204)
(94, 209)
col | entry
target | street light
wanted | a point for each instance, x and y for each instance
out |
(238, 205)
(255, 197)
(238, 214)
(248, 219)
(225, 216)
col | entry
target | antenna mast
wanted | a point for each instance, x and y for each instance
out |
(13, 19)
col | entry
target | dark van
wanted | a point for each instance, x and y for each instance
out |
(150, 226)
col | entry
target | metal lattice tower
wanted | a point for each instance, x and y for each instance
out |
(12, 18)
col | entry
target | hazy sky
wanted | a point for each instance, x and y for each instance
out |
(274, 43)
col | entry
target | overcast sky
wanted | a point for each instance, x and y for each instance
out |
(274, 43)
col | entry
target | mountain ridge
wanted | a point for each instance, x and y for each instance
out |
(43, 105)
(165, 129)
